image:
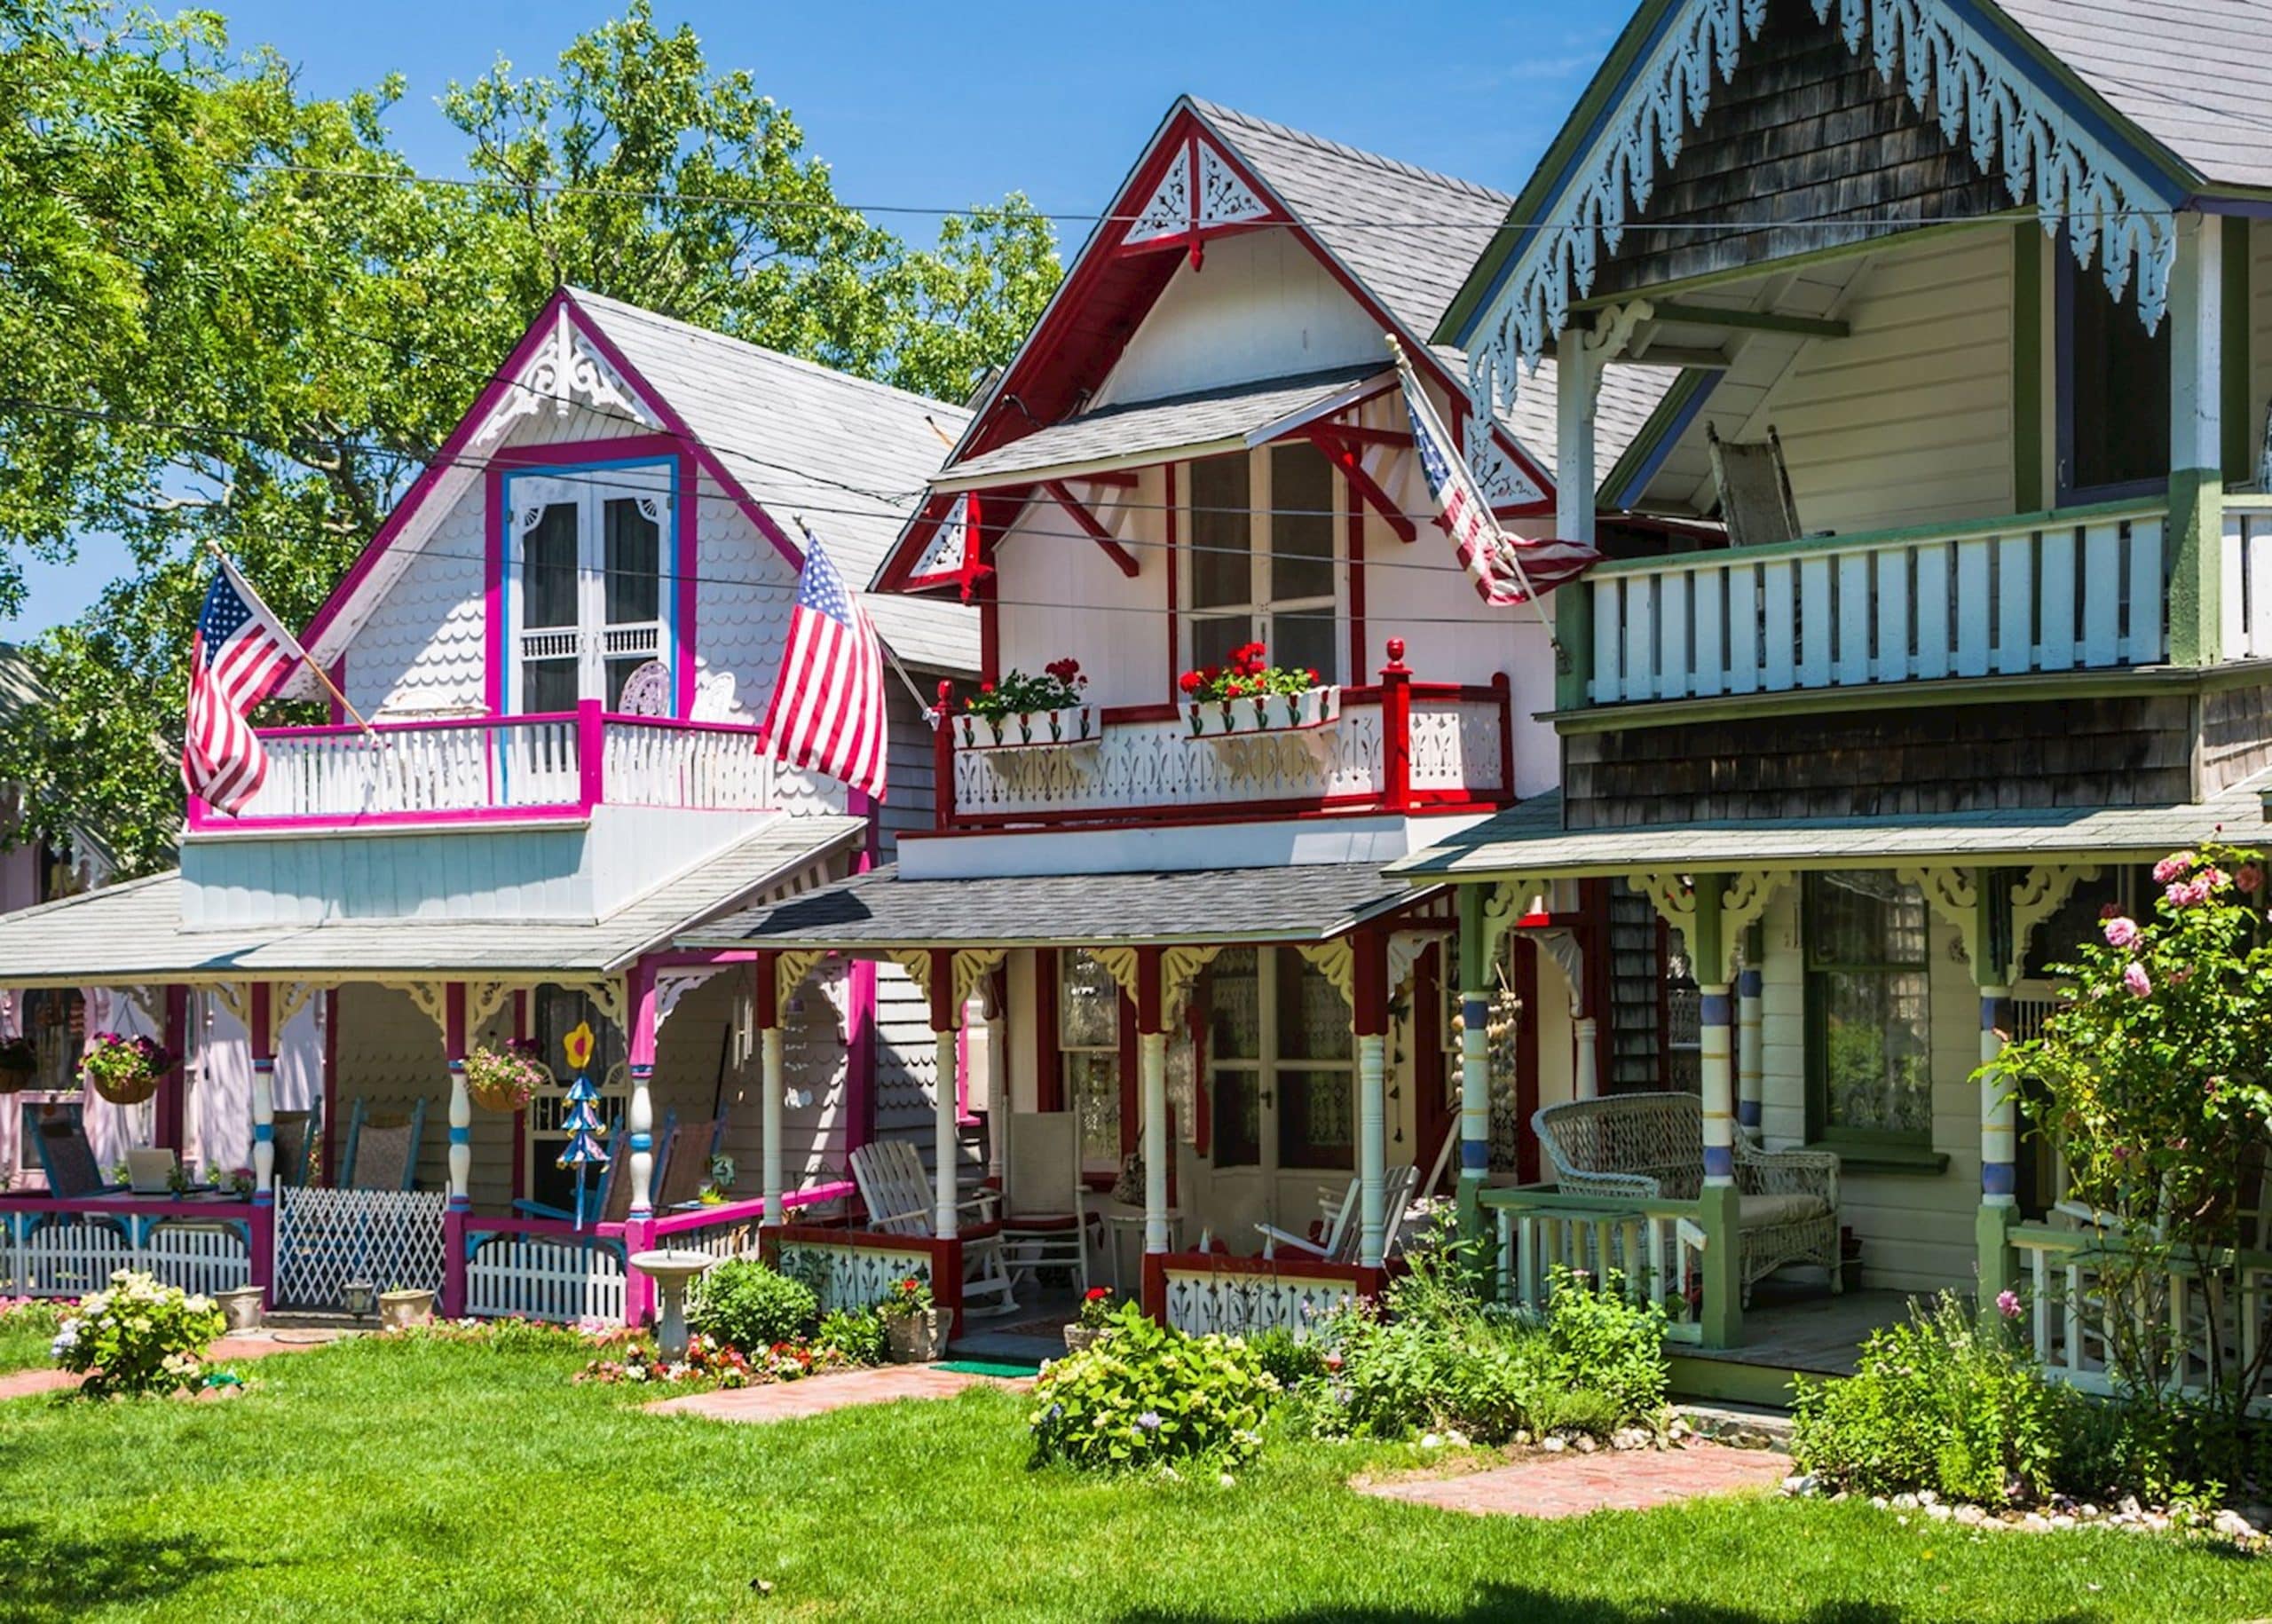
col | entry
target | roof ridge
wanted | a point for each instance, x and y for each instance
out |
(1341, 149)
(834, 374)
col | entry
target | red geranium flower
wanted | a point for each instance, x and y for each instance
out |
(1097, 1293)
(1191, 682)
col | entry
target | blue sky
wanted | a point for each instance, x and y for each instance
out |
(943, 106)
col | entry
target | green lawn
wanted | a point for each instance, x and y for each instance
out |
(434, 1481)
(24, 1347)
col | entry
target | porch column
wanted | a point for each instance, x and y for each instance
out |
(260, 1032)
(1994, 957)
(1722, 1259)
(1751, 1063)
(2196, 480)
(998, 1077)
(1475, 944)
(640, 1115)
(1586, 1036)
(1371, 1013)
(454, 1037)
(1152, 1079)
(766, 1008)
(1577, 378)
(945, 1022)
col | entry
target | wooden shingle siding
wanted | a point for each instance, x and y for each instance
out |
(1808, 131)
(2235, 736)
(2129, 750)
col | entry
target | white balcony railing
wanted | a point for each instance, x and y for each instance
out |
(2246, 598)
(2076, 590)
(504, 768)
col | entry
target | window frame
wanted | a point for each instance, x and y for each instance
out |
(1068, 1093)
(1260, 609)
(1269, 1065)
(2067, 490)
(1820, 1130)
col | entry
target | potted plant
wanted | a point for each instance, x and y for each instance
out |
(401, 1307)
(503, 1079)
(915, 1331)
(18, 1064)
(1251, 696)
(242, 1306)
(124, 1070)
(240, 1182)
(1026, 713)
(1095, 1321)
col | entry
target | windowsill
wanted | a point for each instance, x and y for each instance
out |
(1900, 1160)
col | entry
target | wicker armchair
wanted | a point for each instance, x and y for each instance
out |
(1651, 1147)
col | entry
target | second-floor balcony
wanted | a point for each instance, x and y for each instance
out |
(1397, 746)
(2074, 590)
(512, 769)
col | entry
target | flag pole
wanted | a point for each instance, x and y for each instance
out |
(290, 642)
(890, 659)
(1418, 394)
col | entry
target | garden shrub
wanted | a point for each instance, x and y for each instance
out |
(138, 1336)
(1289, 1360)
(1147, 1395)
(1598, 1342)
(857, 1334)
(746, 1305)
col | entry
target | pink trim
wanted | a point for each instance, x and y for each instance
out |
(686, 543)
(454, 1263)
(493, 629)
(727, 1213)
(860, 1055)
(35, 1203)
(201, 818)
(338, 680)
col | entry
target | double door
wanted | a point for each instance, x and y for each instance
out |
(587, 595)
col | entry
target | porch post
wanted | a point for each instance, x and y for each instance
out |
(639, 1123)
(1586, 1036)
(1474, 1056)
(1372, 1019)
(998, 1077)
(1993, 956)
(767, 1007)
(261, 1039)
(170, 1116)
(460, 1202)
(1722, 1260)
(1152, 1077)
(1576, 378)
(2196, 480)
(1751, 1063)
(945, 1022)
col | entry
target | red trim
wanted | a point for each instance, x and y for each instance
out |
(1358, 434)
(985, 587)
(765, 997)
(1149, 990)
(1345, 457)
(860, 1056)
(1440, 802)
(260, 1036)
(1432, 1111)
(339, 685)
(943, 760)
(1090, 527)
(1132, 1100)
(1527, 1058)
(1048, 1063)
(1502, 690)
(454, 1035)
(1369, 1003)
(1396, 732)
(942, 990)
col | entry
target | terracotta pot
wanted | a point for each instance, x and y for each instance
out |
(240, 1307)
(918, 1339)
(1081, 1339)
(401, 1310)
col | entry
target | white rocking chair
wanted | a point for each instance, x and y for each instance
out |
(899, 1197)
(1045, 1220)
(1344, 1228)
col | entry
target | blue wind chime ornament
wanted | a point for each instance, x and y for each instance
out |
(582, 1120)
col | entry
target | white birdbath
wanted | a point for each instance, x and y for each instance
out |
(671, 1271)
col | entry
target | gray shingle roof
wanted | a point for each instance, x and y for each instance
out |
(850, 454)
(1529, 838)
(1298, 902)
(1204, 418)
(20, 690)
(2194, 75)
(133, 933)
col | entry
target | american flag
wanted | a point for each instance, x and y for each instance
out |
(828, 702)
(1507, 569)
(239, 653)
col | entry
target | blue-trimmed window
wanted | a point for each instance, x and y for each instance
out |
(585, 591)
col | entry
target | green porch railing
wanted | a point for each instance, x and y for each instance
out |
(1664, 1250)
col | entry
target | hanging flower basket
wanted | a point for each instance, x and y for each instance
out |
(124, 1070)
(18, 1065)
(1243, 717)
(503, 1079)
(1065, 728)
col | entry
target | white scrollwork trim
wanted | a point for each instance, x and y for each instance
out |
(565, 366)
(1336, 961)
(672, 985)
(2114, 217)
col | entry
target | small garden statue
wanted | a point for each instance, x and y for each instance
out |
(582, 1119)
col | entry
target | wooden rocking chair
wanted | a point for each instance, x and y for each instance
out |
(381, 1151)
(899, 1197)
(59, 1135)
(1754, 486)
(1345, 1229)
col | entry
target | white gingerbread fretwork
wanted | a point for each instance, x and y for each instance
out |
(1200, 191)
(565, 366)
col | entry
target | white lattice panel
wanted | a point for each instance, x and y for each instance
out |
(325, 1238)
(852, 1277)
(2071, 1318)
(1240, 1305)
(1160, 764)
(544, 1277)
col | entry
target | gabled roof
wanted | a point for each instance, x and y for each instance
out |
(133, 932)
(20, 689)
(784, 436)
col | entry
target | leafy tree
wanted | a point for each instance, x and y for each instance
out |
(233, 315)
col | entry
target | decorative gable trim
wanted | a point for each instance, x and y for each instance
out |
(1200, 192)
(2053, 154)
(566, 365)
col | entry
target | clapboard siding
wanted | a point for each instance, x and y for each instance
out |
(1908, 420)
(1807, 131)
(391, 1056)
(910, 778)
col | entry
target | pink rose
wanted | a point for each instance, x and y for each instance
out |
(2134, 978)
(2249, 879)
(2121, 932)
(2188, 893)
(2007, 1303)
(2170, 867)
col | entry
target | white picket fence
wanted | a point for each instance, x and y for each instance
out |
(326, 1238)
(1992, 599)
(73, 1254)
(558, 1279)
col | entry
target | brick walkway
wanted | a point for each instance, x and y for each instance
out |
(817, 1395)
(1573, 1484)
(228, 1350)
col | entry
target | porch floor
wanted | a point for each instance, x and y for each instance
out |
(1032, 1334)
(1800, 1326)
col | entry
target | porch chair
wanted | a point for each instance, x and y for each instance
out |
(1044, 1219)
(899, 1197)
(59, 1133)
(1344, 1227)
(597, 1196)
(1755, 486)
(381, 1150)
(1651, 1147)
(295, 1141)
(679, 1184)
